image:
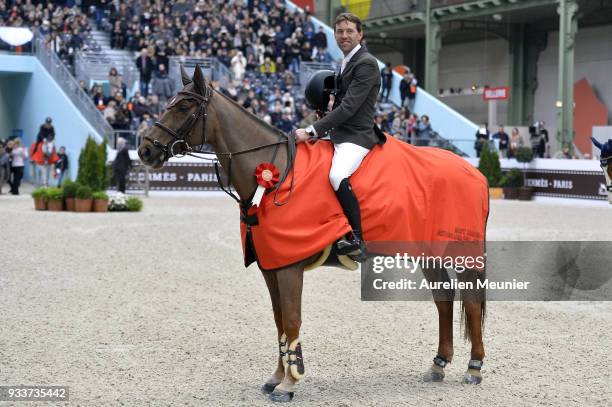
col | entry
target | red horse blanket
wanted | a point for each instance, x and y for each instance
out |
(406, 194)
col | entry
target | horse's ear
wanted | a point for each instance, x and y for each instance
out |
(184, 76)
(199, 80)
(597, 143)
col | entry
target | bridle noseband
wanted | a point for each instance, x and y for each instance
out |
(179, 136)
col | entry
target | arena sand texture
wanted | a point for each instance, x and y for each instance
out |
(155, 308)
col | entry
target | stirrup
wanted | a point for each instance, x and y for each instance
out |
(351, 247)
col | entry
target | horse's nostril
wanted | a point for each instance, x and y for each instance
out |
(146, 152)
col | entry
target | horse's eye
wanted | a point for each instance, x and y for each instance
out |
(183, 107)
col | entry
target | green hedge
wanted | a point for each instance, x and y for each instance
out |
(92, 166)
(490, 167)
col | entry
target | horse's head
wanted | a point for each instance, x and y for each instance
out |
(606, 163)
(182, 126)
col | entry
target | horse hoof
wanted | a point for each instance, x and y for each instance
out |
(432, 376)
(281, 396)
(469, 378)
(268, 388)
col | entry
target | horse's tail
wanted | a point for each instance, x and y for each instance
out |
(482, 296)
(478, 276)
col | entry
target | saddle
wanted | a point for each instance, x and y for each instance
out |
(406, 194)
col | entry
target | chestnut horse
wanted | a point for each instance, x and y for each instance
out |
(199, 115)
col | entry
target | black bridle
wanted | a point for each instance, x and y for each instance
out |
(179, 138)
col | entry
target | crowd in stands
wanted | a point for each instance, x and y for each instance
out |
(261, 42)
(63, 23)
(255, 35)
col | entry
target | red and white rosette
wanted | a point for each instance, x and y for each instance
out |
(267, 176)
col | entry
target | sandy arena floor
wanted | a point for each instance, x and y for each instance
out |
(155, 308)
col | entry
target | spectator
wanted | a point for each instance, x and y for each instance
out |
(122, 164)
(145, 68)
(387, 80)
(98, 98)
(411, 125)
(18, 157)
(535, 140)
(404, 88)
(412, 90)
(115, 80)
(564, 154)
(516, 141)
(482, 138)
(323, 56)
(268, 67)
(319, 40)
(396, 126)
(5, 164)
(238, 65)
(162, 85)
(503, 138)
(61, 165)
(423, 131)
(543, 149)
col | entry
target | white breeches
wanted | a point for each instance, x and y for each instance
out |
(347, 158)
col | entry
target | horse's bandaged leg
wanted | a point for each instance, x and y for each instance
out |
(296, 362)
(436, 371)
(473, 374)
(282, 350)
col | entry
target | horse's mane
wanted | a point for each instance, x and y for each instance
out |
(251, 115)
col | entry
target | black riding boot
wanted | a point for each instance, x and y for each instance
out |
(355, 245)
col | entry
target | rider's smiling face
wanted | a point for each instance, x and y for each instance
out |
(347, 36)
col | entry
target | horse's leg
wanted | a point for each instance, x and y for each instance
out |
(474, 307)
(444, 304)
(289, 282)
(279, 373)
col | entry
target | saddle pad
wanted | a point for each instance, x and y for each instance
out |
(406, 194)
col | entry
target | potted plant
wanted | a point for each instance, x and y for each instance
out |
(40, 199)
(511, 182)
(524, 155)
(490, 167)
(83, 200)
(55, 199)
(100, 201)
(133, 204)
(69, 187)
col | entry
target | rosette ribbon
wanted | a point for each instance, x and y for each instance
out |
(267, 176)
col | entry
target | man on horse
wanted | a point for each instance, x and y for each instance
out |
(350, 124)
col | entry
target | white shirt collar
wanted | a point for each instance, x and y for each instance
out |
(347, 58)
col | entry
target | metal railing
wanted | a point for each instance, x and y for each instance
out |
(434, 140)
(56, 68)
(94, 67)
(211, 67)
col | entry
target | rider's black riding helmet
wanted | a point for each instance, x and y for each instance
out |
(321, 85)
